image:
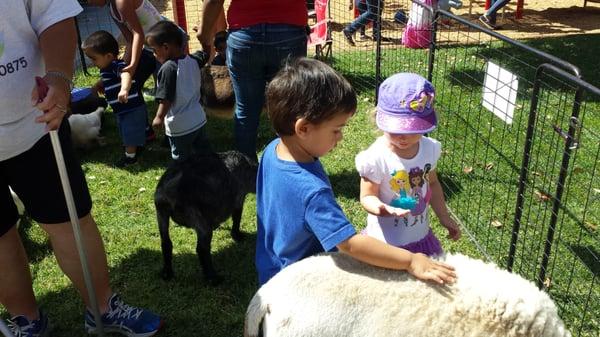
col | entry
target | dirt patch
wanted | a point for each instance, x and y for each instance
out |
(541, 19)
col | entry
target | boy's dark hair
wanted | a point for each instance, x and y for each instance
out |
(309, 89)
(101, 42)
(165, 32)
(220, 38)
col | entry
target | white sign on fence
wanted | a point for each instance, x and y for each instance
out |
(500, 92)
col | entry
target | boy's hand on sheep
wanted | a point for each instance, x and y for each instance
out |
(426, 269)
(387, 210)
(122, 97)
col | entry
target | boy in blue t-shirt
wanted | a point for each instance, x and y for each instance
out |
(309, 104)
(122, 92)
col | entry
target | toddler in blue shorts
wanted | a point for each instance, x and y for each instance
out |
(122, 92)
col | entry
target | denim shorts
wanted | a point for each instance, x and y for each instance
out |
(33, 175)
(132, 126)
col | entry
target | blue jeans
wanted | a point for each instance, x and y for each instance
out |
(374, 8)
(254, 55)
(496, 6)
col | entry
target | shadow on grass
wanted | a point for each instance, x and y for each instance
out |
(589, 256)
(36, 251)
(346, 183)
(188, 304)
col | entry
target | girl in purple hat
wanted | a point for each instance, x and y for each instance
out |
(398, 176)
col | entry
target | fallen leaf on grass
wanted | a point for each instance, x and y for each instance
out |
(541, 196)
(468, 169)
(548, 283)
(591, 226)
(489, 166)
(577, 169)
(496, 223)
(142, 189)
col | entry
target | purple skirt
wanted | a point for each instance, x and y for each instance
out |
(429, 245)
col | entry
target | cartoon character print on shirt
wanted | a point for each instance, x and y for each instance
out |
(419, 191)
(399, 183)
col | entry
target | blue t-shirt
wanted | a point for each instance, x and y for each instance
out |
(297, 213)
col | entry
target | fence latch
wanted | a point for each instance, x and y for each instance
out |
(574, 123)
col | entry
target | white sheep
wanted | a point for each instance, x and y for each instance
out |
(335, 295)
(85, 129)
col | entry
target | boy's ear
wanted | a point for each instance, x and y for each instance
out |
(302, 127)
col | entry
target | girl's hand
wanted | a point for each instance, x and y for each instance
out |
(453, 229)
(387, 210)
(55, 104)
(122, 97)
(426, 269)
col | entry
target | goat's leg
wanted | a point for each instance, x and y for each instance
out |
(236, 218)
(162, 217)
(203, 251)
(204, 233)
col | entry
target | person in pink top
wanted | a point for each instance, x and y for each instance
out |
(262, 34)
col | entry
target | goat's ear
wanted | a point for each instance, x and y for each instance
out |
(302, 127)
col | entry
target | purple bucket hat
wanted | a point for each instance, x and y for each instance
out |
(405, 105)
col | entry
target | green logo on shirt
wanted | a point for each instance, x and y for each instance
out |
(1, 44)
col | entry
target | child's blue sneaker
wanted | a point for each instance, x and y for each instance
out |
(125, 319)
(20, 326)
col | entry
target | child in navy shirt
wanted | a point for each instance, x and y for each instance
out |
(309, 104)
(122, 92)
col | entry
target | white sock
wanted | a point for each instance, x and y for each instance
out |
(130, 155)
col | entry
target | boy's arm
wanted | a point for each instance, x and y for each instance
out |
(165, 91)
(125, 86)
(163, 108)
(201, 57)
(372, 251)
(369, 199)
(438, 204)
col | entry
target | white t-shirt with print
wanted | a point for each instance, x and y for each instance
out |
(399, 178)
(21, 23)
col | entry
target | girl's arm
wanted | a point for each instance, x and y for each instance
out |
(438, 203)
(369, 199)
(211, 12)
(372, 251)
(126, 9)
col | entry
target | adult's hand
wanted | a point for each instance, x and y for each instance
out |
(57, 44)
(54, 104)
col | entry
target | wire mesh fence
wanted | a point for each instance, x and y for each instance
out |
(520, 140)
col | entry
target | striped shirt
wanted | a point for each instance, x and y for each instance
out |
(111, 79)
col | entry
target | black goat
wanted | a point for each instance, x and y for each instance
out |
(200, 193)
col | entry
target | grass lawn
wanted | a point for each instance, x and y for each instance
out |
(479, 169)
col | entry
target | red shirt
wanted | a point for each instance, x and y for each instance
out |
(244, 13)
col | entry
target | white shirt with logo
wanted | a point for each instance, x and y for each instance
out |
(21, 24)
(400, 179)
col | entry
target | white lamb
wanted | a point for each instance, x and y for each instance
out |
(85, 129)
(335, 295)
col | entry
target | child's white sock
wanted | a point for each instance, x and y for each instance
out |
(130, 155)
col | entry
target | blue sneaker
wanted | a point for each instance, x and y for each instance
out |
(125, 319)
(22, 327)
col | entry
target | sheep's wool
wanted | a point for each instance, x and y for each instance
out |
(336, 295)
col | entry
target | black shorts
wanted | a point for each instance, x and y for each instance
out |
(33, 175)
